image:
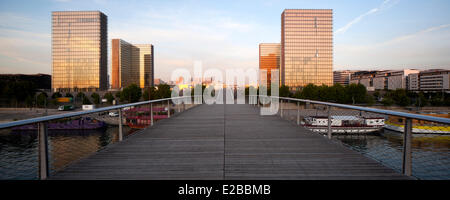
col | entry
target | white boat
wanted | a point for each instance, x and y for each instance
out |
(344, 124)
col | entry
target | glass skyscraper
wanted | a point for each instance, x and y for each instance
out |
(79, 51)
(306, 47)
(269, 59)
(131, 64)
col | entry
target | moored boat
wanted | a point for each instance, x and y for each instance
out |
(344, 124)
(84, 123)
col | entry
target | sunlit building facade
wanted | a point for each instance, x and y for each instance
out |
(131, 64)
(342, 77)
(306, 47)
(269, 59)
(79, 51)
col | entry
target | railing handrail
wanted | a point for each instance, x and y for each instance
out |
(80, 113)
(374, 110)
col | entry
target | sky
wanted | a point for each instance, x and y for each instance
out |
(368, 35)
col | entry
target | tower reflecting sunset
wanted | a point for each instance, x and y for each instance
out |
(269, 59)
(306, 47)
(79, 51)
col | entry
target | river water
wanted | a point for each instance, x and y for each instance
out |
(18, 151)
(431, 153)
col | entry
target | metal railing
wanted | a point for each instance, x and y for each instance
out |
(325, 111)
(42, 122)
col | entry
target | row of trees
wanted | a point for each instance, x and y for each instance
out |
(350, 94)
(402, 97)
(357, 94)
(23, 92)
(17, 92)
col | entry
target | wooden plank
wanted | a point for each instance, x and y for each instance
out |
(227, 142)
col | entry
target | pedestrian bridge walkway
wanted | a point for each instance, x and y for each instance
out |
(226, 142)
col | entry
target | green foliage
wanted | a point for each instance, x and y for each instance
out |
(377, 95)
(109, 97)
(202, 88)
(86, 101)
(118, 95)
(80, 95)
(42, 99)
(370, 100)
(421, 100)
(399, 97)
(357, 93)
(163, 91)
(17, 90)
(69, 95)
(149, 94)
(310, 92)
(336, 93)
(387, 101)
(56, 95)
(96, 98)
(284, 91)
(131, 93)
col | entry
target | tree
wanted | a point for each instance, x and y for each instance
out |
(339, 93)
(131, 93)
(109, 97)
(42, 99)
(86, 101)
(56, 95)
(400, 97)
(387, 101)
(164, 91)
(310, 92)
(96, 98)
(119, 95)
(421, 100)
(357, 93)
(284, 91)
(377, 95)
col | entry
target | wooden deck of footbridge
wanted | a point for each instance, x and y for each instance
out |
(226, 142)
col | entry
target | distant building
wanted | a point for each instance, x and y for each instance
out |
(41, 81)
(342, 77)
(79, 51)
(434, 80)
(413, 82)
(131, 64)
(383, 79)
(158, 81)
(306, 47)
(269, 59)
(364, 78)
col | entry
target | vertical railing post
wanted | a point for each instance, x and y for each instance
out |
(298, 113)
(168, 108)
(120, 125)
(407, 156)
(184, 106)
(329, 122)
(43, 151)
(281, 108)
(151, 114)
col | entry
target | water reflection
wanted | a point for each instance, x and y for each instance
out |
(18, 149)
(431, 155)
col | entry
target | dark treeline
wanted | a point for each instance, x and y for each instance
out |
(25, 94)
(358, 94)
(17, 93)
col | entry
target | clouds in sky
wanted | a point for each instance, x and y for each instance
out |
(385, 5)
(427, 48)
